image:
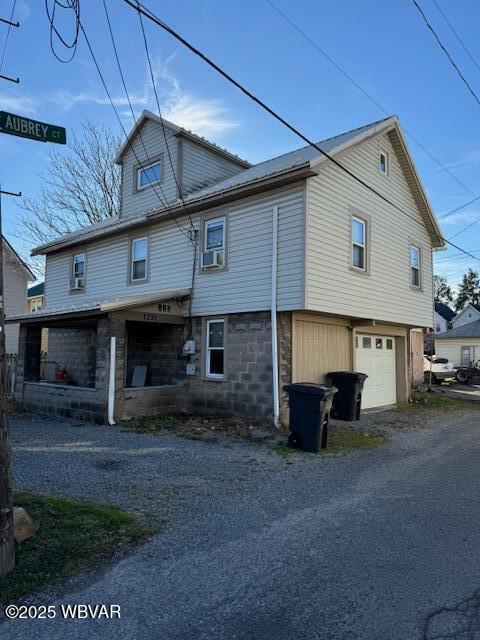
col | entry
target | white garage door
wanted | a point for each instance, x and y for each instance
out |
(375, 356)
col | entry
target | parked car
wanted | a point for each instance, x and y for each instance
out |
(441, 368)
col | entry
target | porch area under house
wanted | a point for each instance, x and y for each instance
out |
(116, 361)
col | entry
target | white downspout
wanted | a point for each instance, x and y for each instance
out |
(111, 381)
(276, 399)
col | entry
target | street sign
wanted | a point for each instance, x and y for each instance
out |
(33, 129)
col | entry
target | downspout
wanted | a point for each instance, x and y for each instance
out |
(276, 399)
(111, 381)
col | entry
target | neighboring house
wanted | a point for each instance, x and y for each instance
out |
(292, 255)
(443, 317)
(461, 345)
(467, 315)
(16, 276)
(35, 297)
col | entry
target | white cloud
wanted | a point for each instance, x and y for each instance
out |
(462, 217)
(18, 104)
(205, 116)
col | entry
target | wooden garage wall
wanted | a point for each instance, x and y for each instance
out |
(320, 344)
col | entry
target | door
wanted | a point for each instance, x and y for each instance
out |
(375, 356)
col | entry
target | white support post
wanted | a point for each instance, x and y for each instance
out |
(276, 398)
(111, 381)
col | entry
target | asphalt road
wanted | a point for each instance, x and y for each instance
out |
(379, 544)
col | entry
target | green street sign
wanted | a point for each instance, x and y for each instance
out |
(33, 129)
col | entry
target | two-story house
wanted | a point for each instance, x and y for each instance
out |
(16, 276)
(220, 282)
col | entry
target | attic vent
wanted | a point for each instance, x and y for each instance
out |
(164, 307)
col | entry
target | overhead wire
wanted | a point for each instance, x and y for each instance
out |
(4, 50)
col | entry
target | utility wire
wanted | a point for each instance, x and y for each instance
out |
(462, 43)
(365, 93)
(99, 71)
(462, 206)
(151, 16)
(152, 78)
(445, 50)
(4, 51)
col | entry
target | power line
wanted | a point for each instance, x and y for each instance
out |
(152, 78)
(445, 50)
(10, 24)
(462, 43)
(462, 206)
(151, 16)
(99, 71)
(365, 92)
(72, 5)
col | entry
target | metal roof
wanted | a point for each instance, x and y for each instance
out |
(469, 330)
(36, 290)
(116, 304)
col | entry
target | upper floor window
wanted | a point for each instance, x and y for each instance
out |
(149, 174)
(215, 348)
(383, 162)
(415, 266)
(77, 281)
(36, 304)
(359, 244)
(138, 259)
(214, 243)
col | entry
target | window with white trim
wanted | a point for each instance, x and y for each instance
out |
(215, 349)
(138, 259)
(383, 162)
(214, 243)
(149, 174)
(77, 281)
(415, 279)
(359, 244)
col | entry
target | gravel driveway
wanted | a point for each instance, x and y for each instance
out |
(375, 544)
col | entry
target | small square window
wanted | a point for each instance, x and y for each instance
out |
(378, 343)
(148, 175)
(389, 343)
(383, 162)
(367, 343)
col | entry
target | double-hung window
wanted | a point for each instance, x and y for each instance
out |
(359, 244)
(138, 259)
(383, 162)
(149, 174)
(77, 281)
(214, 243)
(415, 279)
(215, 349)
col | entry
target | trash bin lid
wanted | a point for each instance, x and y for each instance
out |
(348, 375)
(311, 388)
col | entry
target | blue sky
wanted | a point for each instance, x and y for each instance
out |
(385, 47)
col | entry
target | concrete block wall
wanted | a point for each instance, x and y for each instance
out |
(73, 348)
(284, 332)
(246, 390)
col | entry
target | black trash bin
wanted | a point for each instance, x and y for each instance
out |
(348, 401)
(310, 406)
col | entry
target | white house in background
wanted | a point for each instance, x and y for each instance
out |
(444, 317)
(461, 345)
(467, 315)
(220, 282)
(16, 276)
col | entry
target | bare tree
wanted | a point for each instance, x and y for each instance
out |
(80, 187)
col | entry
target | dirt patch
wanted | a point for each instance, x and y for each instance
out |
(205, 428)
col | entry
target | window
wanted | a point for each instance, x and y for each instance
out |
(148, 174)
(414, 266)
(77, 280)
(36, 304)
(139, 254)
(389, 343)
(383, 162)
(359, 246)
(367, 343)
(378, 343)
(214, 243)
(215, 349)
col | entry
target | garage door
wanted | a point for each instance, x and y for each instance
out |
(375, 356)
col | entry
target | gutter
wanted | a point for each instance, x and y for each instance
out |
(276, 399)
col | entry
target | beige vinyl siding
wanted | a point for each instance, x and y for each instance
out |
(150, 136)
(202, 167)
(385, 294)
(244, 286)
(451, 348)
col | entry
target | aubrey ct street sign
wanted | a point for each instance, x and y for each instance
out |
(33, 129)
